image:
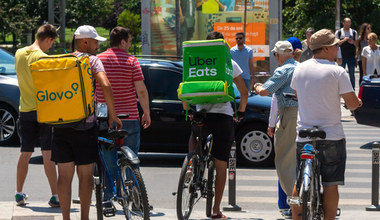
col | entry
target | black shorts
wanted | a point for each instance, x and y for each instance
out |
(34, 134)
(79, 146)
(221, 126)
(332, 157)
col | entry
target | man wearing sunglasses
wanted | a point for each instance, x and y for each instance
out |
(243, 56)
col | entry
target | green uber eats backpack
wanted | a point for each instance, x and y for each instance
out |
(207, 72)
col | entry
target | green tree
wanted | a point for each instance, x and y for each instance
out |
(298, 15)
(132, 21)
(90, 12)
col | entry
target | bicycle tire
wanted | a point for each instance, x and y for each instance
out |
(186, 186)
(98, 191)
(210, 187)
(138, 207)
(305, 205)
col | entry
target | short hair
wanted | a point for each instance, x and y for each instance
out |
(46, 31)
(214, 35)
(311, 30)
(317, 51)
(372, 36)
(118, 34)
(240, 33)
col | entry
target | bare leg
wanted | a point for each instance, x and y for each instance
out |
(296, 210)
(220, 182)
(330, 202)
(22, 169)
(65, 178)
(50, 170)
(85, 173)
(192, 143)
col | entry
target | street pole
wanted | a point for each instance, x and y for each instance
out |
(337, 14)
(375, 178)
(232, 181)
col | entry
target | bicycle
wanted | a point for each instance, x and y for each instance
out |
(197, 176)
(308, 183)
(127, 184)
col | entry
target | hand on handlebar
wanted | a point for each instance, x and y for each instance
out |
(117, 121)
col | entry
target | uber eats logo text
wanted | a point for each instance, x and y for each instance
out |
(197, 72)
(52, 96)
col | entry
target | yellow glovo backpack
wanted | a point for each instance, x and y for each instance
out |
(63, 88)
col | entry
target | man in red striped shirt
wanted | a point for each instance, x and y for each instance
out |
(124, 73)
(126, 78)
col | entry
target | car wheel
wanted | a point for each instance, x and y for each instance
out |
(254, 146)
(8, 128)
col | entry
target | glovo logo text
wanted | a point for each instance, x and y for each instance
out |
(46, 95)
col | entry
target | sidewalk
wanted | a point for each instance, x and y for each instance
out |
(41, 211)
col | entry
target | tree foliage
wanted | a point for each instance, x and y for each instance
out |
(118, 6)
(298, 15)
(132, 21)
(90, 12)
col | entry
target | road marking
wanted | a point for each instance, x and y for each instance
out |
(342, 189)
(274, 178)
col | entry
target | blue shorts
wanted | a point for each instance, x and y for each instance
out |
(332, 156)
(34, 134)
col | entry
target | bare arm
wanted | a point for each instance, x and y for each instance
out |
(102, 79)
(142, 94)
(252, 70)
(364, 65)
(239, 82)
(352, 101)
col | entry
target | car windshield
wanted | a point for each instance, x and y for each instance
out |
(7, 63)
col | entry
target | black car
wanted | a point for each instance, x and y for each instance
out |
(169, 132)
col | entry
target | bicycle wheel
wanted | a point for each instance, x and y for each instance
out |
(98, 190)
(210, 186)
(186, 192)
(305, 205)
(136, 205)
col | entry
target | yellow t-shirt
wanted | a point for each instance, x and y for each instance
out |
(23, 58)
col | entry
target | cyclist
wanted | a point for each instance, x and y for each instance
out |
(219, 122)
(77, 145)
(319, 85)
(285, 134)
(127, 80)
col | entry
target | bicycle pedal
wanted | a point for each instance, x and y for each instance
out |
(109, 212)
(293, 200)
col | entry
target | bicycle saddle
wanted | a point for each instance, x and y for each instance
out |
(116, 134)
(312, 133)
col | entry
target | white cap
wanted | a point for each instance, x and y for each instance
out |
(87, 31)
(283, 47)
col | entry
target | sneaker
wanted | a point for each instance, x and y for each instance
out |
(218, 216)
(20, 199)
(53, 202)
(287, 214)
(109, 209)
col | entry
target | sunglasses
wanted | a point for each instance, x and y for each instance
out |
(239, 38)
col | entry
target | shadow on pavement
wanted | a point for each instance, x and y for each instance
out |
(46, 209)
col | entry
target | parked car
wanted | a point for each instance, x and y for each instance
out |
(9, 99)
(169, 132)
(369, 93)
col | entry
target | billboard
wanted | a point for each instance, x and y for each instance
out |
(197, 18)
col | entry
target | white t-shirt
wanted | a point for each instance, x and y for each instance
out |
(319, 85)
(224, 108)
(373, 60)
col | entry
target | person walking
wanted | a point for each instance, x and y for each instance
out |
(33, 133)
(126, 79)
(285, 133)
(306, 51)
(362, 42)
(243, 56)
(371, 57)
(76, 146)
(347, 38)
(319, 85)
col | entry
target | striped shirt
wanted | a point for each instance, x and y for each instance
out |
(122, 71)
